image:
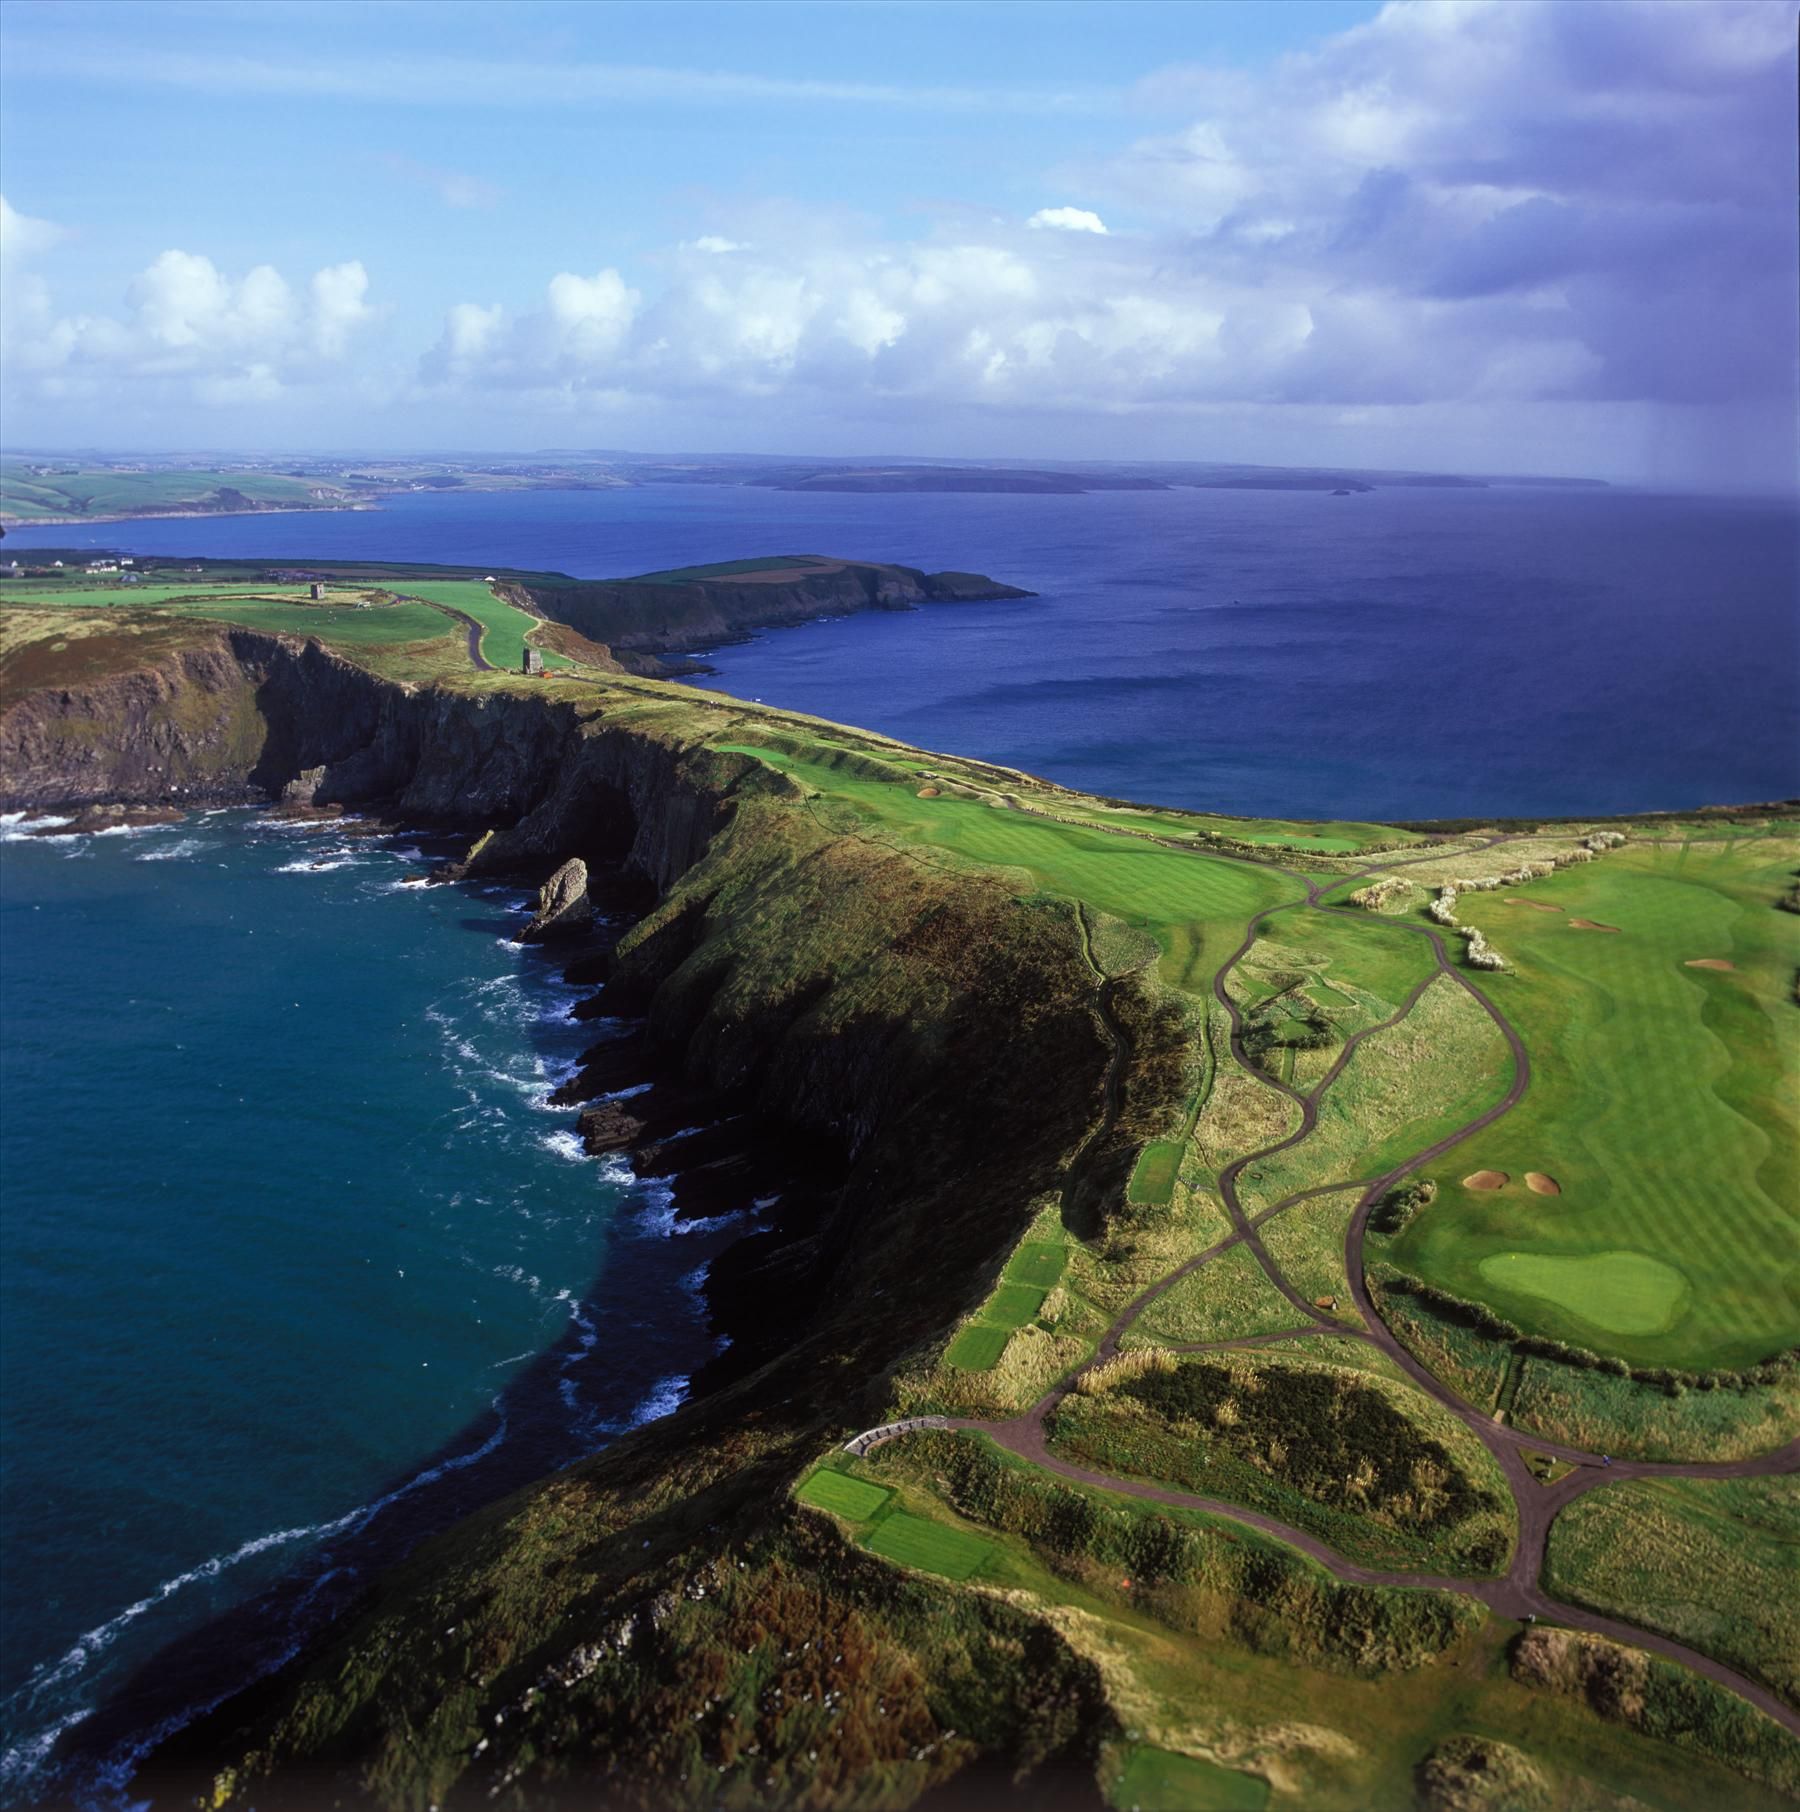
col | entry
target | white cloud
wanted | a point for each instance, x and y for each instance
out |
(22, 237)
(189, 330)
(1068, 220)
(714, 244)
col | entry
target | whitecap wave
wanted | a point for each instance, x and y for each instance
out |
(15, 827)
(566, 1145)
(28, 1754)
(319, 866)
(187, 846)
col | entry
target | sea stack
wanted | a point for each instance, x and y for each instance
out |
(563, 906)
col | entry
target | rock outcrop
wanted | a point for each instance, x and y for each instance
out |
(563, 906)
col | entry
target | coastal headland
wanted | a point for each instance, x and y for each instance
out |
(1302, 1348)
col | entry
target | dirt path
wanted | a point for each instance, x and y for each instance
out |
(1519, 1593)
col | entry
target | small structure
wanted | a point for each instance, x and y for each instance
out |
(534, 661)
(316, 591)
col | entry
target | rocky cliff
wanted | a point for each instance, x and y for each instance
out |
(943, 1036)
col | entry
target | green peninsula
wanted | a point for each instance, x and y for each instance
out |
(1268, 1264)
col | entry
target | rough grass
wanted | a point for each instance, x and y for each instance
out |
(1606, 1414)
(1377, 1470)
(1402, 1088)
(1663, 1099)
(1227, 1298)
(1307, 1244)
(1711, 1562)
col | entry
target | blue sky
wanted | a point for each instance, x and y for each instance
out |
(1473, 234)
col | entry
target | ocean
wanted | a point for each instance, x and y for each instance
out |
(296, 1258)
(1405, 654)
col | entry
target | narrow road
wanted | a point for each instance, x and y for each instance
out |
(1518, 1593)
(477, 659)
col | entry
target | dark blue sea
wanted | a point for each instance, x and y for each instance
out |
(1409, 653)
(296, 1258)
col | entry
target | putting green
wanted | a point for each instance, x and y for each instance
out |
(1622, 1292)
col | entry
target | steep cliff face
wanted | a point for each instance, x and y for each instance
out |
(941, 1033)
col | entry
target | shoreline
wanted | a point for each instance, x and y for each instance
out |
(665, 1193)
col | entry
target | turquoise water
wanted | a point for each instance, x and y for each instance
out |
(297, 1260)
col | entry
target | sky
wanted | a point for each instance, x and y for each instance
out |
(1485, 235)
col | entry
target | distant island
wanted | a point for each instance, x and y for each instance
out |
(47, 489)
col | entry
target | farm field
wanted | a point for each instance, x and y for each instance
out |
(1662, 1104)
(99, 492)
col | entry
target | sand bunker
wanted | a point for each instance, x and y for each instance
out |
(1539, 1184)
(928, 792)
(1487, 1179)
(1535, 905)
(1709, 962)
(1590, 925)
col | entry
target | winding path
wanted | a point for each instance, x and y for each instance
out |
(477, 659)
(1518, 1593)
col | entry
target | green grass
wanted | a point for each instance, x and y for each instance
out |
(856, 1500)
(1038, 1263)
(1194, 907)
(977, 1347)
(504, 627)
(1663, 1101)
(730, 569)
(1153, 1176)
(379, 626)
(1620, 1292)
(933, 1547)
(1711, 1562)
(1158, 1780)
(32, 594)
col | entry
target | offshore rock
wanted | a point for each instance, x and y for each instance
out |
(304, 787)
(609, 1128)
(563, 907)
